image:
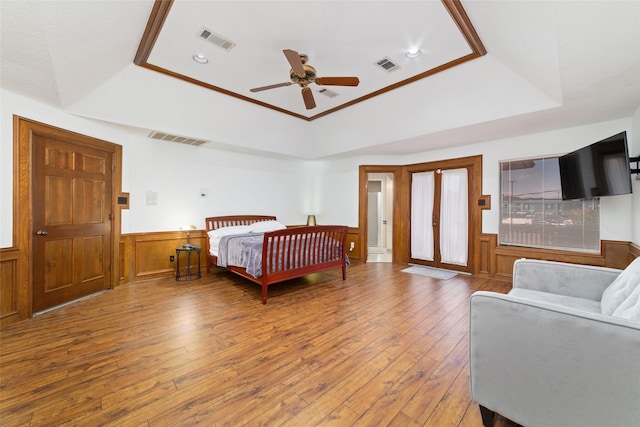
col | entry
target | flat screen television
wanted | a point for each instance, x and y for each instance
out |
(599, 169)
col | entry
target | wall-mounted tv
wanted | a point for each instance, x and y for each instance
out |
(599, 169)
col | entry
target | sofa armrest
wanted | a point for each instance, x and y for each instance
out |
(541, 365)
(575, 280)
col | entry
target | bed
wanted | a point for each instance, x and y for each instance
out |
(264, 251)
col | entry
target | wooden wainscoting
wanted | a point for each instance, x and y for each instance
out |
(613, 254)
(485, 264)
(353, 236)
(634, 252)
(13, 297)
(145, 256)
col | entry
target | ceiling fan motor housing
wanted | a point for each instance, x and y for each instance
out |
(310, 76)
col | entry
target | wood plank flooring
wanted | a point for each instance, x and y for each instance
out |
(383, 348)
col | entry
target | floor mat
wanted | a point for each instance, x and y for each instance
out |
(436, 273)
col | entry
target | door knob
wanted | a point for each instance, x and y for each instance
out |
(41, 233)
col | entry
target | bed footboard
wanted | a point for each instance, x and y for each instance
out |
(299, 251)
(289, 253)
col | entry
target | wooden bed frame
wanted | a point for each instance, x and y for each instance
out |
(274, 271)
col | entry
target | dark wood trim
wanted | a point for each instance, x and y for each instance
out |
(394, 86)
(219, 89)
(161, 9)
(156, 20)
(484, 202)
(460, 17)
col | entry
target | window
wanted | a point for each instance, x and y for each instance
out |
(533, 214)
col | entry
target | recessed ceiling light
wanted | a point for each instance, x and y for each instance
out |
(200, 59)
(413, 53)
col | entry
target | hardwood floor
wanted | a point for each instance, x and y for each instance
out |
(381, 348)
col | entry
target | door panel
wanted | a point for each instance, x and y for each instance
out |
(58, 265)
(72, 217)
(441, 228)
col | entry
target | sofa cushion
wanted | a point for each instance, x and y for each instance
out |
(630, 307)
(621, 289)
(562, 300)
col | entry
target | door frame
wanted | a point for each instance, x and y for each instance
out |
(23, 129)
(402, 204)
(363, 206)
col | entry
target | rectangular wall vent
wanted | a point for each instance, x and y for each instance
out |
(387, 64)
(329, 93)
(175, 138)
(216, 39)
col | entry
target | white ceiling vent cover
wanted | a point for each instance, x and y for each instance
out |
(175, 138)
(328, 92)
(216, 39)
(387, 64)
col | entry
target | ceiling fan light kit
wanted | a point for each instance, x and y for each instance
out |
(304, 74)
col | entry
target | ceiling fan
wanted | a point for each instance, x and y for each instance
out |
(304, 74)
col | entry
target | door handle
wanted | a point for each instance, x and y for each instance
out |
(41, 233)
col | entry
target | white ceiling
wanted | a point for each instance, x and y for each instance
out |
(549, 64)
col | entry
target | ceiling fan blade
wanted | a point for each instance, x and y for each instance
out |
(307, 96)
(294, 60)
(338, 81)
(258, 89)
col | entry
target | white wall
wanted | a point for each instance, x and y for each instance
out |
(634, 151)
(234, 183)
(290, 189)
(617, 212)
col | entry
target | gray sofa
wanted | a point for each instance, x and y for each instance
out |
(561, 349)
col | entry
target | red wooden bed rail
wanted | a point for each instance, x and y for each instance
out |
(288, 253)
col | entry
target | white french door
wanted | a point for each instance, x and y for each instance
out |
(440, 218)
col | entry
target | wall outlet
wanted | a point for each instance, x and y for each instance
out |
(172, 258)
(353, 245)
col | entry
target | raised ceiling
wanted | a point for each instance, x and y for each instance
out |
(548, 65)
(231, 47)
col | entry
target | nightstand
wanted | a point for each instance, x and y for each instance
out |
(189, 272)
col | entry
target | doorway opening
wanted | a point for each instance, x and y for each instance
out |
(380, 217)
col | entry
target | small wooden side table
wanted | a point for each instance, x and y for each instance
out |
(189, 273)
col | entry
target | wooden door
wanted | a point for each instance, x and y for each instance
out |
(440, 228)
(72, 220)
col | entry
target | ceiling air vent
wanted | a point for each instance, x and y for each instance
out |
(175, 138)
(216, 39)
(387, 64)
(329, 93)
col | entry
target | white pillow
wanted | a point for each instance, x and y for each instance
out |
(630, 307)
(218, 233)
(265, 226)
(621, 289)
(232, 229)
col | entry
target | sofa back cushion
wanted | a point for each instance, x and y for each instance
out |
(620, 298)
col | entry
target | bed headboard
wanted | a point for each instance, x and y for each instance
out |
(215, 222)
